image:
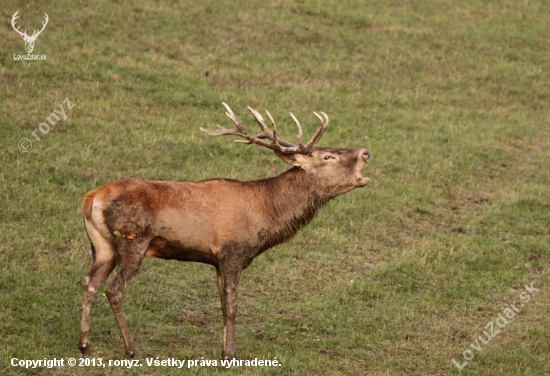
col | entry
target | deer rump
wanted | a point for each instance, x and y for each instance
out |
(222, 222)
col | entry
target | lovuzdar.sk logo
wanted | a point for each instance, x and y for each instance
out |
(29, 40)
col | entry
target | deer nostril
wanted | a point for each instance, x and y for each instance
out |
(366, 155)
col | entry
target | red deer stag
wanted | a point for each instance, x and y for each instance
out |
(222, 222)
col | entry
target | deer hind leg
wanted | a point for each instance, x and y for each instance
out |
(104, 261)
(130, 255)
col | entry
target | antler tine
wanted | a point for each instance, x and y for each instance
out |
(266, 133)
(275, 138)
(230, 114)
(320, 130)
(300, 134)
(221, 131)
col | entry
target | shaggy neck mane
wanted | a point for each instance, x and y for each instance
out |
(291, 202)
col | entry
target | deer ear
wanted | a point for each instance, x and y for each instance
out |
(298, 160)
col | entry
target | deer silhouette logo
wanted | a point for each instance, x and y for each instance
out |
(29, 40)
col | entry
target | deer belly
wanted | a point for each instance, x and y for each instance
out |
(161, 248)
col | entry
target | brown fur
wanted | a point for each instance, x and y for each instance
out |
(221, 222)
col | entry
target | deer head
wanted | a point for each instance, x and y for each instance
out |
(29, 40)
(334, 170)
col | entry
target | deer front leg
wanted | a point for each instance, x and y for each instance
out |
(220, 287)
(228, 281)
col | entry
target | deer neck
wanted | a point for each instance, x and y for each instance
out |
(291, 202)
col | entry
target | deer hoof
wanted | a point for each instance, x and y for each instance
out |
(228, 357)
(85, 349)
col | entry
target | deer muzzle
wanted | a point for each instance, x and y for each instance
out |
(364, 156)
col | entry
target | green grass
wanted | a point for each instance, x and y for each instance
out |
(451, 99)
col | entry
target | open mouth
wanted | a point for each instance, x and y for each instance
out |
(361, 180)
(366, 155)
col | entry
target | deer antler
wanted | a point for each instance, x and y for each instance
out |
(277, 144)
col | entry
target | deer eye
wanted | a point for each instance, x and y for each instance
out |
(327, 157)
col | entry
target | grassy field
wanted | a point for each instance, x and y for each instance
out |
(398, 278)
